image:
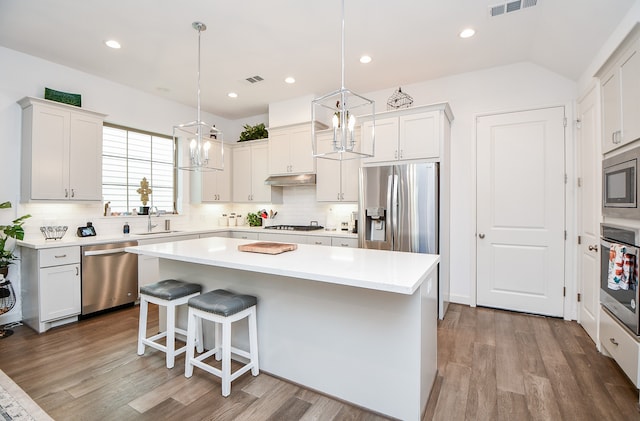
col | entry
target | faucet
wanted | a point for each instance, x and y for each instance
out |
(151, 226)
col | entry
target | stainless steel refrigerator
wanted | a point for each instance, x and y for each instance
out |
(398, 210)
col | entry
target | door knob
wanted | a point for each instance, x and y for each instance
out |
(593, 248)
(481, 236)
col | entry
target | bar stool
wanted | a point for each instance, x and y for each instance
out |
(169, 293)
(223, 308)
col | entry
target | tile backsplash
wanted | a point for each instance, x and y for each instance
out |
(299, 207)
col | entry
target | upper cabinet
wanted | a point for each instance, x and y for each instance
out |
(250, 168)
(620, 87)
(336, 181)
(290, 150)
(410, 134)
(61, 152)
(216, 185)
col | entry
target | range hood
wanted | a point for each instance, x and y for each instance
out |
(291, 180)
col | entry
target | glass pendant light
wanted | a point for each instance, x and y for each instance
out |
(205, 142)
(343, 107)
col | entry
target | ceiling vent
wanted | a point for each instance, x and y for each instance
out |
(254, 79)
(510, 6)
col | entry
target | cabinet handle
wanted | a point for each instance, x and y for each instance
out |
(341, 196)
(73, 193)
(613, 341)
(395, 154)
(401, 153)
(249, 197)
(318, 243)
(66, 193)
(481, 236)
(61, 256)
(344, 245)
(77, 271)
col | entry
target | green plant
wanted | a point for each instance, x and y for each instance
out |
(254, 219)
(13, 231)
(259, 131)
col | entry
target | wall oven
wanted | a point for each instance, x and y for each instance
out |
(619, 257)
(620, 185)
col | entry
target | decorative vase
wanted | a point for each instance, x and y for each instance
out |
(4, 270)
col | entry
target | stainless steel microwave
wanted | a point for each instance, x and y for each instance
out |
(620, 185)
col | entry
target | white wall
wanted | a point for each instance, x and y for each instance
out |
(515, 87)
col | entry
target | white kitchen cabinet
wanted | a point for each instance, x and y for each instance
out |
(621, 345)
(318, 240)
(290, 150)
(344, 242)
(250, 168)
(620, 88)
(61, 152)
(409, 134)
(244, 235)
(336, 181)
(148, 266)
(216, 185)
(51, 288)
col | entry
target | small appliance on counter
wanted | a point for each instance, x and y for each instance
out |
(88, 231)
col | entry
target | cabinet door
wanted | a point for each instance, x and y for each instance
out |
(59, 292)
(148, 270)
(630, 92)
(49, 159)
(216, 185)
(302, 160)
(419, 136)
(611, 113)
(349, 174)
(328, 175)
(241, 170)
(259, 173)
(85, 157)
(386, 139)
(279, 152)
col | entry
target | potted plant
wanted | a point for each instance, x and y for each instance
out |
(8, 235)
(259, 131)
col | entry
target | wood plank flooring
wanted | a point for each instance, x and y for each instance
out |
(493, 365)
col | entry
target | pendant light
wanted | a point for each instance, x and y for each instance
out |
(342, 108)
(204, 141)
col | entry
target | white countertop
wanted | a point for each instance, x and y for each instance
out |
(70, 239)
(387, 271)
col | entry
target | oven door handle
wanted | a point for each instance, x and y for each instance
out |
(606, 245)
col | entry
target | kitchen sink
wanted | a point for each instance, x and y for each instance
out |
(155, 232)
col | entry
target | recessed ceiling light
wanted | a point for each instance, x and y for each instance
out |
(290, 80)
(232, 95)
(365, 59)
(467, 33)
(112, 43)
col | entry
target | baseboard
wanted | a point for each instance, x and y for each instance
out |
(459, 299)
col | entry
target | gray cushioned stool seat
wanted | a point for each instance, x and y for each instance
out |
(170, 289)
(222, 302)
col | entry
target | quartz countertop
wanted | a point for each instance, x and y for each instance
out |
(70, 239)
(388, 271)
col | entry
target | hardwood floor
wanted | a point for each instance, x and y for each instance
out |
(493, 365)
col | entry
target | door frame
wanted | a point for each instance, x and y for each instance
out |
(570, 198)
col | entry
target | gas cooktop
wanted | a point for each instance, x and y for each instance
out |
(295, 227)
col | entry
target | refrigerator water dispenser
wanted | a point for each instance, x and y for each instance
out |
(376, 223)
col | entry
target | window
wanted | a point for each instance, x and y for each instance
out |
(128, 155)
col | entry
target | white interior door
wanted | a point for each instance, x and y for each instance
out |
(520, 211)
(588, 213)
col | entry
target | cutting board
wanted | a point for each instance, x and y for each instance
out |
(267, 248)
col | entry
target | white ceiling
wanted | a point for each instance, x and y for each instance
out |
(409, 40)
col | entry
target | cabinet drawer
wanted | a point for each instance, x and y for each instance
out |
(59, 256)
(344, 242)
(621, 345)
(319, 241)
(244, 235)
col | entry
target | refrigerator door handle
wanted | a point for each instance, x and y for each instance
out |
(393, 212)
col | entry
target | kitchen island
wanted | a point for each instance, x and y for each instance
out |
(356, 324)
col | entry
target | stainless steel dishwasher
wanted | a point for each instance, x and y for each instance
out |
(109, 276)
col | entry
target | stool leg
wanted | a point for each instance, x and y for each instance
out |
(218, 341)
(199, 339)
(226, 358)
(171, 335)
(191, 338)
(142, 324)
(253, 342)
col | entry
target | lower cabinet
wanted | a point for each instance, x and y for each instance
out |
(622, 347)
(51, 288)
(344, 242)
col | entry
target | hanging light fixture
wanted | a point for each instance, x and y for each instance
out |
(205, 141)
(342, 107)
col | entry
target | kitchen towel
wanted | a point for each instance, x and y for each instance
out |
(622, 268)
